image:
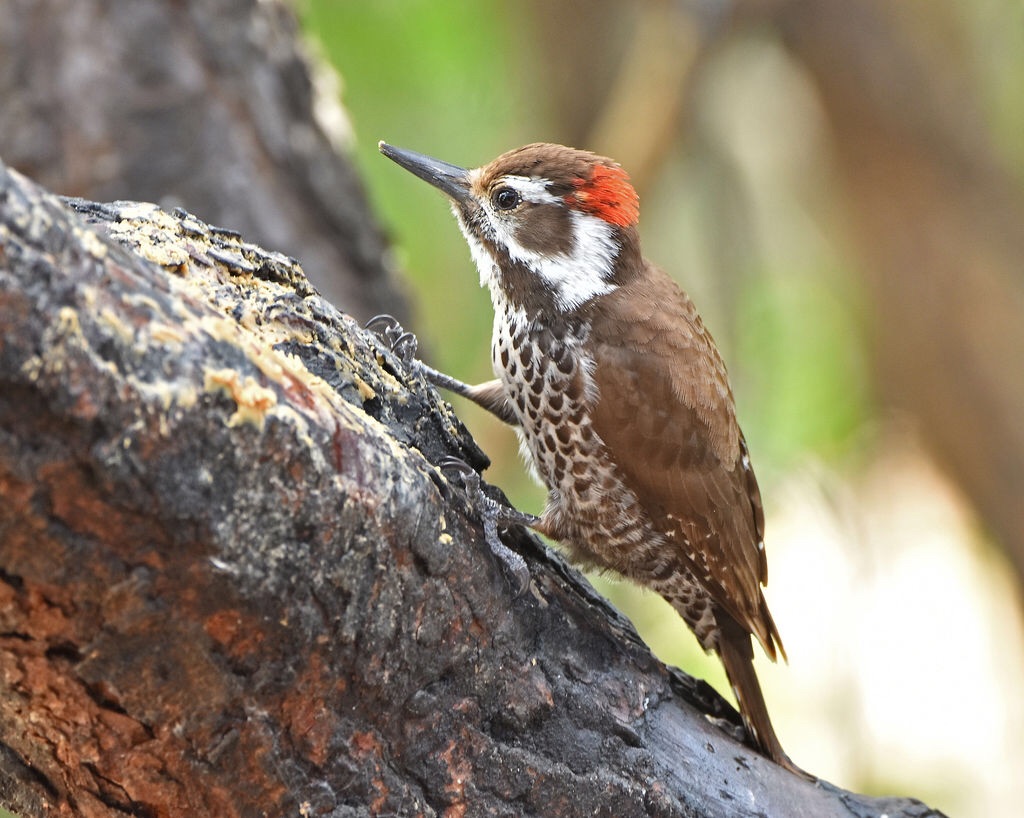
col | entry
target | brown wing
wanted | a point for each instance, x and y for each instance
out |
(665, 411)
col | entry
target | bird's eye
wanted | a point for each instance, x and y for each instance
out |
(505, 198)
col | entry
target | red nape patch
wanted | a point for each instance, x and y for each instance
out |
(609, 195)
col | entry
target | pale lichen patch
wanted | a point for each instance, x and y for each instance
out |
(252, 400)
(68, 323)
(114, 322)
(365, 390)
(93, 245)
(167, 334)
(137, 210)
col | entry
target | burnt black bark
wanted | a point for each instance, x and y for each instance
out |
(233, 583)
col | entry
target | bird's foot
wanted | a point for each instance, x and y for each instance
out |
(402, 343)
(494, 514)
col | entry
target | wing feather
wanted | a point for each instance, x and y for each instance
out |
(665, 411)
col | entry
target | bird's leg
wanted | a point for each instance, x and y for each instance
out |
(405, 345)
(402, 343)
(489, 395)
(494, 514)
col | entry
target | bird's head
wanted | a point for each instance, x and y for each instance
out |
(550, 227)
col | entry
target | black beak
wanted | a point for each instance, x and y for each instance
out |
(449, 179)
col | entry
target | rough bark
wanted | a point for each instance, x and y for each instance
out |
(214, 104)
(232, 583)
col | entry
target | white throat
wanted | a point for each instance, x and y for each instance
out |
(574, 278)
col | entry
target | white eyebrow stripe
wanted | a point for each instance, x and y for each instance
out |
(532, 190)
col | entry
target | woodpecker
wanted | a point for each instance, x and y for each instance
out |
(619, 396)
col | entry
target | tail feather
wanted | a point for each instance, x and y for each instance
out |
(736, 650)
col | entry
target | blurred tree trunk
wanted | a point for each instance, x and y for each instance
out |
(940, 224)
(233, 584)
(639, 74)
(213, 105)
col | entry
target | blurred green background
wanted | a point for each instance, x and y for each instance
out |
(742, 203)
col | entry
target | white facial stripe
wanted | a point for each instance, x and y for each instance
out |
(579, 276)
(576, 277)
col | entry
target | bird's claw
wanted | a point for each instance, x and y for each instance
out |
(383, 325)
(492, 514)
(402, 343)
(467, 472)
